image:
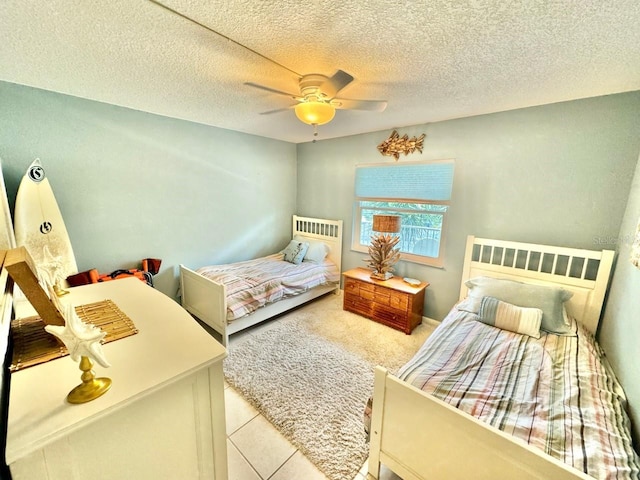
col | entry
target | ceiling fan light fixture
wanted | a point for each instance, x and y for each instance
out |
(315, 113)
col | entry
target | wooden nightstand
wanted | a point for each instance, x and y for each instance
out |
(391, 302)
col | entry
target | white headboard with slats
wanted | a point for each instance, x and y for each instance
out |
(584, 272)
(327, 231)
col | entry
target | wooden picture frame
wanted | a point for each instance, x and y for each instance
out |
(22, 271)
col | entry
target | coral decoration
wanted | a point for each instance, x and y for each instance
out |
(383, 255)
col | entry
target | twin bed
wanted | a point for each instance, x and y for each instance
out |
(497, 391)
(482, 402)
(231, 298)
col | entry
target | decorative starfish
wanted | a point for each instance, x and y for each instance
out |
(50, 269)
(80, 338)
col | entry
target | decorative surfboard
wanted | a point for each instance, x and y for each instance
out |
(7, 238)
(39, 227)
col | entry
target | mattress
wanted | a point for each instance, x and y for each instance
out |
(255, 283)
(555, 392)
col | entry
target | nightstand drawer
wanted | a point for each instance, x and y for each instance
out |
(381, 295)
(361, 289)
(397, 300)
(375, 310)
(356, 304)
(352, 286)
(390, 316)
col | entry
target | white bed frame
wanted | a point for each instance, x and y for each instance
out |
(207, 300)
(420, 437)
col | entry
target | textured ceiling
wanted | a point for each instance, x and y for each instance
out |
(431, 60)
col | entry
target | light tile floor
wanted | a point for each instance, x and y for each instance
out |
(256, 450)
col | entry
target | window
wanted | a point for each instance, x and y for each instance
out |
(419, 192)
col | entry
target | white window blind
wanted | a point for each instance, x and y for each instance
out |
(431, 181)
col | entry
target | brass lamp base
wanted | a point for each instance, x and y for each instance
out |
(91, 387)
(381, 276)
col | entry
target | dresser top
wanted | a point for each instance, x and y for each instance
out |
(169, 346)
(396, 283)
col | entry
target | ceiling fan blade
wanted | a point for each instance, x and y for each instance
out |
(334, 84)
(277, 110)
(369, 105)
(273, 90)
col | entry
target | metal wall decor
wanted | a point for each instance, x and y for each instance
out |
(395, 145)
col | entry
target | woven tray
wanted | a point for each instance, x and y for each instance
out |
(33, 345)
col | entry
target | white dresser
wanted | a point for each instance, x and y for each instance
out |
(163, 417)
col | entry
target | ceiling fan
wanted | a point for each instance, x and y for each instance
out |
(317, 101)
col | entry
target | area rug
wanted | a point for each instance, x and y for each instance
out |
(310, 374)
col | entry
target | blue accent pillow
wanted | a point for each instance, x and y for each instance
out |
(510, 317)
(295, 251)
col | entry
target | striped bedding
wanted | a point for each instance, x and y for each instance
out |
(554, 392)
(255, 283)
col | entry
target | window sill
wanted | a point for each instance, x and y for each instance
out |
(408, 257)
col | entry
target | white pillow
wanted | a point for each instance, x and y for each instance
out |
(317, 251)
(547, 298)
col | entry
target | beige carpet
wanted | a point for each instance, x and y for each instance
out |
(310, 373)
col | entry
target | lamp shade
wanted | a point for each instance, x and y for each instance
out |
(315, 113)
(386, 223)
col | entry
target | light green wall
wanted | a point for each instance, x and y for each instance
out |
(557, 174)
(132, 185)
(620, 327)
